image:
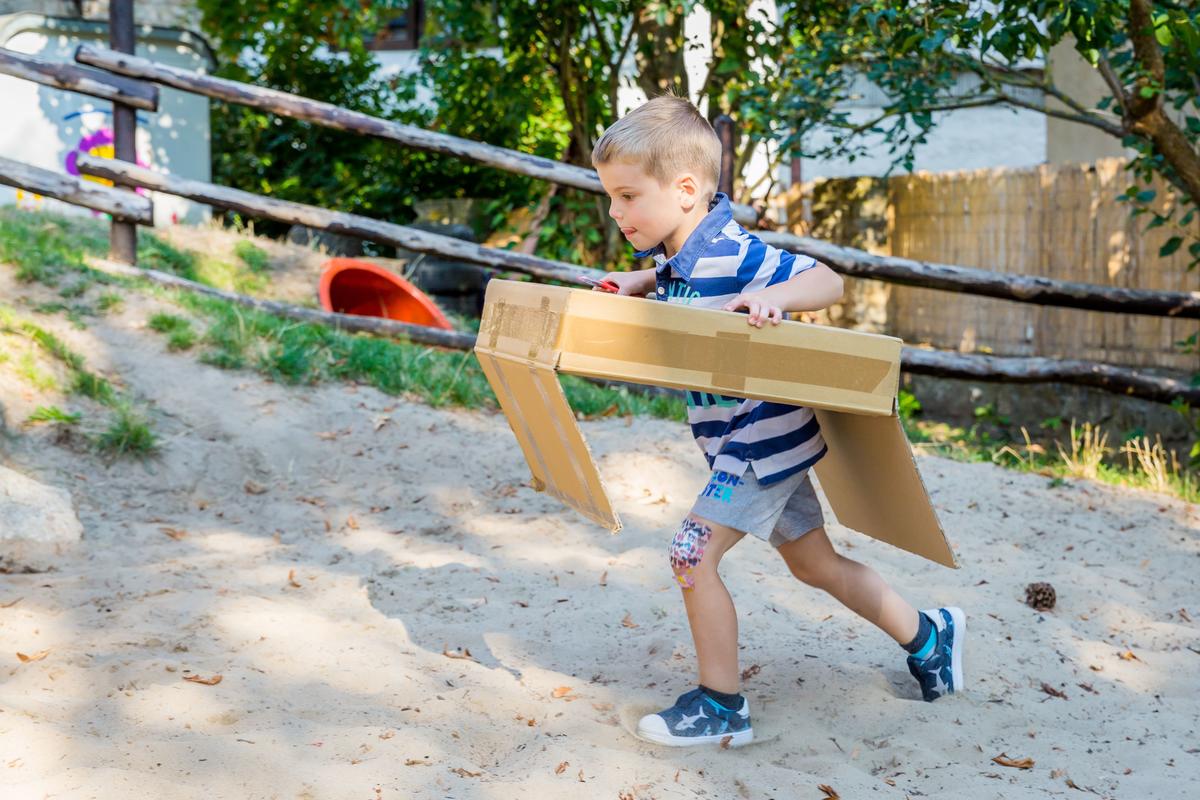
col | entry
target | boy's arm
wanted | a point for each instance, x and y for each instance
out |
(811, 290)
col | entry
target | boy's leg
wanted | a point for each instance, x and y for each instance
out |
(696, 553)
(812, 559)
(933, 638)
(713, 712)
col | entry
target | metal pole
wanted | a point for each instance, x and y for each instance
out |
(121, 36)
(724, 127)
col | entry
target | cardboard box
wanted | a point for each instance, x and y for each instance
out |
(530, 331)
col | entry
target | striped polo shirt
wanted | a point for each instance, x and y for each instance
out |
(720, 260)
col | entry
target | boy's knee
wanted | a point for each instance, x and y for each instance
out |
(814, 565)
(814, 574)
(687, 550)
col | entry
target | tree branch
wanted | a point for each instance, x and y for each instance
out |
(616, 66)
(601, 34)
(1114, 84)
(1083, 119)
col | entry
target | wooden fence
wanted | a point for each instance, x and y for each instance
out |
(1057, 222)
(944, 277)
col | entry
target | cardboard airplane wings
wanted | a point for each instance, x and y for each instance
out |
(531, 331)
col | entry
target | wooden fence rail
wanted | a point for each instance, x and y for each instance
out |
(92, 82)
(1006, 286)
(1112, 379)
(915, 360)
(857, 263)
(334, 221)
(89, 194)
(331, 116)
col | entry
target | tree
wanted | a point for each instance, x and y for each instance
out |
(1147, 52)
(317, 48)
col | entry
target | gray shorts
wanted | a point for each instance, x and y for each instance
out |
(777, 513)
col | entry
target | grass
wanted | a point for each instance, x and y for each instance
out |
(253, 256)
(180, 335)
(1085, 454)
(53, 414)
(306, 354)
(49, 249)
(128, 432)
(44, 247)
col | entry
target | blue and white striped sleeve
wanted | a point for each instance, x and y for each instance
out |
(789, 266)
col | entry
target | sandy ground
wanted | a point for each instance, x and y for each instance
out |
(333, 554)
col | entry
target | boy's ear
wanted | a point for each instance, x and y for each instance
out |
(689, 191)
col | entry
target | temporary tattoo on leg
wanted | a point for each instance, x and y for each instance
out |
(687, 549)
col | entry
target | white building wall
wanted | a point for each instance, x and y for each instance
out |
(44, 126)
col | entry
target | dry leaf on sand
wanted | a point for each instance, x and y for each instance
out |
(1018, 763)
(561, 768)
(465, 654)
(1050, 690)
(38, 656)
(830, 792)
(628, 621)
(561, 691)
(213, 681)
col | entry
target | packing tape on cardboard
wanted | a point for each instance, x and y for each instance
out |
(728, 357)
(537, 326)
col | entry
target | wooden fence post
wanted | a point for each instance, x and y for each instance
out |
(121, 37)
(724, 127)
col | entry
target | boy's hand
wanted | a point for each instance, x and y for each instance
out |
(760, 310)
(631, 283)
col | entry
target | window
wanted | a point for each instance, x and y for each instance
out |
(402, 30)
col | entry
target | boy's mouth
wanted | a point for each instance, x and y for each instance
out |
(628, 231)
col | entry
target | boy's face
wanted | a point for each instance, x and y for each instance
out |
(647, 212)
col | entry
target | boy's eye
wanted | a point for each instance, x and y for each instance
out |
(626, 197)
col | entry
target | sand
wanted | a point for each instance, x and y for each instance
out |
(393, 613)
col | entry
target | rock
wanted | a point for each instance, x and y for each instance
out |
(35, 519)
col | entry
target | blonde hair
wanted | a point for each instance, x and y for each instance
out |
(664, 136)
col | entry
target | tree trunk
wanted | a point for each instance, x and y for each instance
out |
(659, 56)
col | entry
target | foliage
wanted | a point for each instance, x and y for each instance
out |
(317, 49)
(1148, 54)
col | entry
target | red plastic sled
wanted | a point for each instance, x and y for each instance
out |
(350, 286)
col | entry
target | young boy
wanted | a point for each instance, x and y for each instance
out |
(660, 166)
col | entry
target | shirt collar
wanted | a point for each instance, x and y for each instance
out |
(720, 213)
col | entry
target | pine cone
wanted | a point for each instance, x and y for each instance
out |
(1040, 596)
